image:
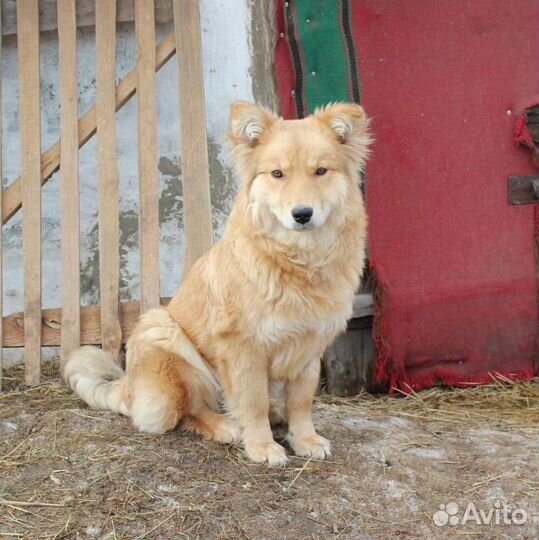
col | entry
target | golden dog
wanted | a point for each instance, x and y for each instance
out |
(247, 328)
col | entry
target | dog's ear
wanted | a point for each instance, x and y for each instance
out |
(248, 122)
(344, 119)
(350, 127)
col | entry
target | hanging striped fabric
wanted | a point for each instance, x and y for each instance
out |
(316, 59)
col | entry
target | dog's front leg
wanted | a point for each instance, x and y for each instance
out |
(246, 393)
(299, 402)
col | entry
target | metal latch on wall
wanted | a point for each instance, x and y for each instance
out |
(525, 189)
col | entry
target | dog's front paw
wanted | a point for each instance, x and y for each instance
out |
(268, 452)
(314, 446)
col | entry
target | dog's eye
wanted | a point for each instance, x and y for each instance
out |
(321, 171)
(277, 173)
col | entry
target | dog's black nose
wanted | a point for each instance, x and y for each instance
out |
(302, 214)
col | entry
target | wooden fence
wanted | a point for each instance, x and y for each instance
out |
(110, 323)
(347, 364)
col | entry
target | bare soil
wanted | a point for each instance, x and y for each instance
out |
(70, 472)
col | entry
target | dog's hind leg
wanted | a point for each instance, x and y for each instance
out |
(212, 426)
(160, 390)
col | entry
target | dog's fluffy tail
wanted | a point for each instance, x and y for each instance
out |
(97, 380)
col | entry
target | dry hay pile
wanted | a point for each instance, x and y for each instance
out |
(504, 404)
(70, 472)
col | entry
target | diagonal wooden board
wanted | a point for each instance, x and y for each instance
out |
(50, 160)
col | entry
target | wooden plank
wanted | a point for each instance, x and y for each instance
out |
(50, 160)
(263, 38)
(69, 178)
(30, 127)
(1, 241)
(108, 177)
(13, 334)
(194, 145)
(348, 362)
(85, 13)
(147, 151)
(13, 325)
(363, 305)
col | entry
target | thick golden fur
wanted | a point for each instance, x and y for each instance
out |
(250, 322)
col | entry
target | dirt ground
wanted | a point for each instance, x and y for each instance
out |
(70, 472)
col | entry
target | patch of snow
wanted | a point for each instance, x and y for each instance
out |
(495, 494)
(429, 453)
(396, 490)
(361, 423)
(9, 426)
(167, 488)
(93, 531)
(171, 502)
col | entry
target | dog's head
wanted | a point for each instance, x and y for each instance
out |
(299, 173)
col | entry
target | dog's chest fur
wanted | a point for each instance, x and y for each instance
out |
(294, 343)
(294, 333)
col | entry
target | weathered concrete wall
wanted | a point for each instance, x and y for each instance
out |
(235, 52)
